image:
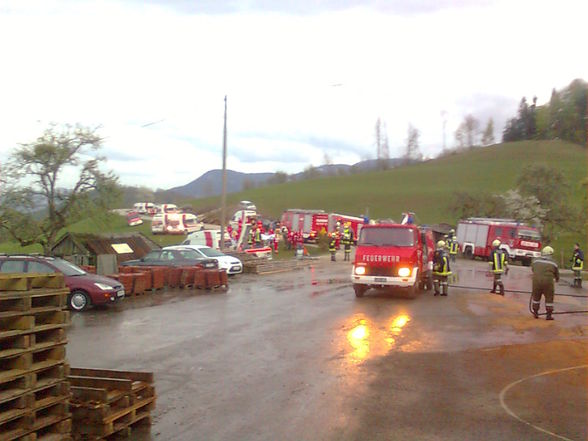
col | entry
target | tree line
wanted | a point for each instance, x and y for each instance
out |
(563, 117)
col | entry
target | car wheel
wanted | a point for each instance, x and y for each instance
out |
(359, 290)
(78, 300)
(468, 253)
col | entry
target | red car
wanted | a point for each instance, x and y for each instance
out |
(85, 289)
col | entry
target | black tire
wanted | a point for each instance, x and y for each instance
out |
(468, 253)
(429, 284)
(78, 300)
(359, 290)
(526, 262)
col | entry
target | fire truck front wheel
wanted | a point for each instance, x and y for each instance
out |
(359, 290)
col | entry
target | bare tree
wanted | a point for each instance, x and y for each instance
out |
(466, 134)
(412, 152)
(488, 135)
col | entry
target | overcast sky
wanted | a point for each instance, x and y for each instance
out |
(304, 78)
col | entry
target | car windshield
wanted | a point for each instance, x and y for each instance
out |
(529, 234)
(398, 237)
(211, 252)
(189, 254)
(67, 268)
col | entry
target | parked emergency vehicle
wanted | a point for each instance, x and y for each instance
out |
(209, 238)
(476, 234)
(242, 216)
(174, 223)
(355, 223)
(145, 208)
(133, 219)
(167, 208)
(393, 255)
(309, 222)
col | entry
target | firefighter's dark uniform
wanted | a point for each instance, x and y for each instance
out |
(498, 264)
(453, 247)
(257, 237)
(545, 271)
(578, 266)
(333, 248)
(347, 240)
(441, 271)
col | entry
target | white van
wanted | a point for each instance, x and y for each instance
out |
(210, 238)
(174, 223)
(144, 207)
(242, 216)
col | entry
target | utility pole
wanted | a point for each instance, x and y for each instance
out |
(224, 190)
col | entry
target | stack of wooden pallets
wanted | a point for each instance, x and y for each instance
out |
(108, 403)
(34, 392)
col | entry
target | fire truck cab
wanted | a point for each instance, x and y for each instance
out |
(475, 236)
(393, 256)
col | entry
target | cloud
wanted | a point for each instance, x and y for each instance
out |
(125, 64)
(309, 7)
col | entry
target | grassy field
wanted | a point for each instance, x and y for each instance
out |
(424, 188)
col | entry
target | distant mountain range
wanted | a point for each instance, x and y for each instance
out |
(210, 183)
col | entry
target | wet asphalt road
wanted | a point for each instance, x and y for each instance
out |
(295, 356)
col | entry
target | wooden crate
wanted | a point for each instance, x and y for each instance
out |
(109, 402)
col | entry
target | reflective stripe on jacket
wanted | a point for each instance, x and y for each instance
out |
(441, 264)
(498, 261)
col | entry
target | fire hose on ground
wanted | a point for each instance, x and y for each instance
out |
(518, 291)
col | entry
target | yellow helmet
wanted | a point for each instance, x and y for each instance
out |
(441, 244)
(496, 243)
(547, 251)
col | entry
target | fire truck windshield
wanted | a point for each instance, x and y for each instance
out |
(392, 237)
(529, 234)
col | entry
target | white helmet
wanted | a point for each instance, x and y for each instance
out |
(441, 244)
(547, 251)
(496, 243)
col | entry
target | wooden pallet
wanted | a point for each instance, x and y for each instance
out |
(29, 281)
(17, 303)
(26, 423)
(107, 402)
(34, 393)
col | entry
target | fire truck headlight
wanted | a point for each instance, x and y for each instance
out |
(360, 270)
(404, 272)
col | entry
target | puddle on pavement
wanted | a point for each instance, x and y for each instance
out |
(366, 339)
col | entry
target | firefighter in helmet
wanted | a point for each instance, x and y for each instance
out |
(577, 265)
(347, 240)
(545, 271)
(333, 246)
(498, 265)
(453, 245)
(441, 269)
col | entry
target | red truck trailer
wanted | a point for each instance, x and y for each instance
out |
(393, 255)
(476, 234)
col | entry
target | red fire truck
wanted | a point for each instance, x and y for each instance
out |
(393, 255)
(476, 234)
(309, 222)
(355, 223)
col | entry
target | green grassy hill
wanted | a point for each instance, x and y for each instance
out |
(424, 188)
